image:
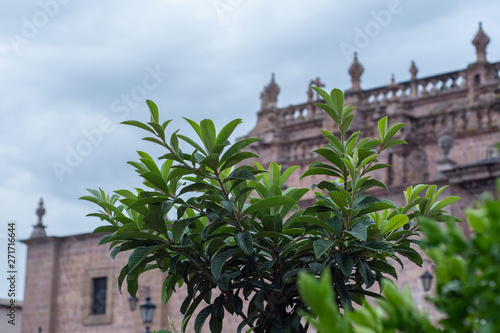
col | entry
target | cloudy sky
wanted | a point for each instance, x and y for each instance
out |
(70, 71)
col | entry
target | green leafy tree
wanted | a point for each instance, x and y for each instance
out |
(467, 295)
(238, 233)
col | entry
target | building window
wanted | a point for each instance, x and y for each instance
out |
(99, 295)
(477, 79)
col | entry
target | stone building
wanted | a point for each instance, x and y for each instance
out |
(452, 124)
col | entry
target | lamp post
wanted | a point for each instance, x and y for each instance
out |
(147, 312)
(147, 307)
(426, 280)
(427, 277)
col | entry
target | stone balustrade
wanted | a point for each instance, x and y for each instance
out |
(417, 88)
(299, 112)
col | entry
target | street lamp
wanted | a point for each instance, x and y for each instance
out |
(147, 307)
(147, 312)
(427, 277)
(426, 280)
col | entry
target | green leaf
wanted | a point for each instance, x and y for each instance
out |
(333, 140)
(237, 158)
(153, 109)
(393, 130)
(337, 101)
(105, 239)
(409, 253)
(287, 174)
(192, 143)
(443, 203)
(394, 142)
(376, 246)
(241, 174)
(384, 204)
(159, 130)
(320, 171)
(358, 231)
(395, 223)
(198, 187)
(190, 310)
(215, 324)
(377, 166)
(237, 147)
(346, 124)
(121, 277)
(114, 252)
(350, 167)
(157, 181)
(275, 201)
(416, 191)
(165, 124)
(315, 221)
(138, 124)
(320, 246)
(132, 283)
(383, 267)
(226, 131)
(345, 263)
(105, 228)
(194, 125)
(128, 235)
(244, 241)
(174, 141)
(137, 257)
(367, 275)
(330, 156)
(227, 205)
(178, 171)
(178, 228)
(272, 234)
(382, 127)
(345, 295)
(202, 316)
(330, 111)
(323, 94)
(208, 134)
(167, 289)
(219, 260)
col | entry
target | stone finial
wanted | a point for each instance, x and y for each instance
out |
(480, 42)
(393, 87)
(310, 93)
(269, 96)
(445, 142)
(413, 71)
(39, 228)
(355, 72)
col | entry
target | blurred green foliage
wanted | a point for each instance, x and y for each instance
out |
(467, 295)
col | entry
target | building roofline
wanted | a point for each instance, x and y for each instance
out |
(83, 236)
